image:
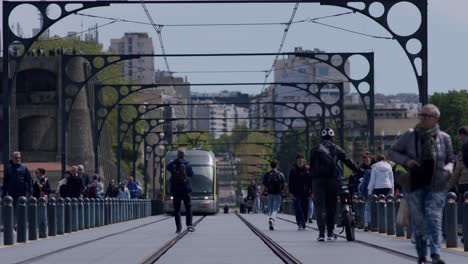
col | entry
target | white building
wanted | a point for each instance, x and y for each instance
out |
(140, 70)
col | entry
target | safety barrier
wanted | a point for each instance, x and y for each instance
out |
(50, 217)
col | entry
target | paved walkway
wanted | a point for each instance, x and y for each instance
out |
(218, 239)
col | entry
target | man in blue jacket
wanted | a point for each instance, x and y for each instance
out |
(181, 188)
(17, 181)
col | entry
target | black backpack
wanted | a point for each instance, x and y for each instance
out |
(179, 174)
(324, 162)
(275, 183)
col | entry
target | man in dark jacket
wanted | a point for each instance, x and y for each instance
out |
(17, 181)
(181, 188)
(325, 181)
(300, 190)
(74, 186)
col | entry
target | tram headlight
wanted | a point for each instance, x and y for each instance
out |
(172, 198)
(206, 197)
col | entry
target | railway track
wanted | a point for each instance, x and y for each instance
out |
(155, 256)
(279, 251)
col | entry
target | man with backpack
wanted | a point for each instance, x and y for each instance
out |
(181, 188)
(325, 181)
(274, 182)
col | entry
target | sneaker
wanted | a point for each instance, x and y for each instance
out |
(304, 226)
(413, 239)
(331, 237)
(422, 260)
(271, 223)
(311, 221)
(191, 229)
(299, 227)
(436, 259)
(178, 231)
(321, 238)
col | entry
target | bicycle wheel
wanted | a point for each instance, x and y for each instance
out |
(348, 225)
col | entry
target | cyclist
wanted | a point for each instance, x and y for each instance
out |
(325, 181)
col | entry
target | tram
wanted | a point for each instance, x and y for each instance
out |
(204, 182)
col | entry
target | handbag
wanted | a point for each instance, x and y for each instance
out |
(403, 214)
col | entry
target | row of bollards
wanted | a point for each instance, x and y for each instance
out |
(383, 214)
(50, 217)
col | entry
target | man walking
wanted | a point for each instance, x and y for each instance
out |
(300, 190)
(181, 189)
(274, 183)
(427, 153)
(17, 181)
(325, 181)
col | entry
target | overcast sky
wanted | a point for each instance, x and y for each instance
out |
(448, 39)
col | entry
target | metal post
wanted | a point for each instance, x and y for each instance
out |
(80, 214)
(381, 218)
(400, 231)
(60, 216)
(373, 223)
(74, 215)
(32, 218)
(390, 215)
(52, 216)
(451, 220)
(119, 145)
(361, 206)
(465, 221)
(42, 217)
(103, 212)
(135, 156)
(92, 210)
(6, 92)
(86, 213)
(106, 211)
(68, 215)
(97, 212)
(21, 216)
(8, 221)
(145, 169)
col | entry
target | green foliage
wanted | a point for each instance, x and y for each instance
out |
(453, 107)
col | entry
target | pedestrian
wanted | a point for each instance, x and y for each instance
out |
(381, 180)
(124, 193)
(300, 190)
(257, 202)
(62, 188)
(92, 188)
(325, 175)
(112, 190)
(83, 175)
(274, 184)
(99, 186)
(426, 152)
(461, 169)
(41, 185)
(17, 181)
(181, 189)
(133, 188)
(75, 187)
(251, 191)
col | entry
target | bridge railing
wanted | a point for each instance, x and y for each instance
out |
(30, 219)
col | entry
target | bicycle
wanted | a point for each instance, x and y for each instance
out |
(347, 214)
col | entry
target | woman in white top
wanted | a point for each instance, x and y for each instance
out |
(381, 181)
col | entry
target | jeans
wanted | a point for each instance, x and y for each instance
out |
(274, 202)
(187, 199)
(325, 192)
(301, 205)
(426, 210)
(311, 208)
(256, 206)
(367, 212)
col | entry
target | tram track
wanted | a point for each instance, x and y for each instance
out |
(364, 243)
(278, 250)
(61, 250)
(155, 256)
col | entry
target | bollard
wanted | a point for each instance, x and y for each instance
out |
(373, 222)
(32, 218)
(8, 220)
(74, 215)
(80, 214)
(60, 216)
(52, 216)
(361, 206)
(86, 213)
(68, 215)
(465, 221)
(390, 215)
(97, 212)
(42, 217)
(101, 217)
(21, 216)
(92, 217)
(381, 214)
(106, 211)
(399, 230)
(451, 220)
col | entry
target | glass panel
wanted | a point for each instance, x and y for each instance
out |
(202, 180)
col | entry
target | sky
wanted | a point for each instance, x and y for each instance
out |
(447, 26)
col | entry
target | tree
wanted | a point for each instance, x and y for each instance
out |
(453, 107)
